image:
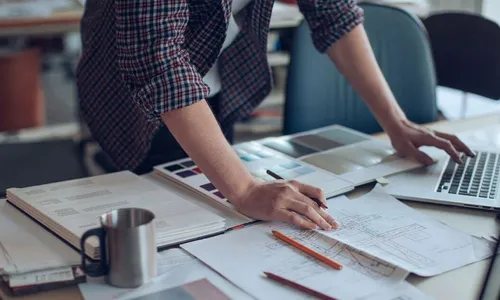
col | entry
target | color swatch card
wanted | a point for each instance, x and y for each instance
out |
(258, 160)
(352, 155)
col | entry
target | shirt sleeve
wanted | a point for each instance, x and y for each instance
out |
(152, 61)
(329, 20)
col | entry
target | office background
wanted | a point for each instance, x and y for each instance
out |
(50, 114)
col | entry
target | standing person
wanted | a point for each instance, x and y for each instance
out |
(159, 80)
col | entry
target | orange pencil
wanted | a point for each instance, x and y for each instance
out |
(298, 286)
(307, 250)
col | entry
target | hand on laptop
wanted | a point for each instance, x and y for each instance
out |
(287, 201)
(407, 137)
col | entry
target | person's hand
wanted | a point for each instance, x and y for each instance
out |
(406, 137)
(286, 201)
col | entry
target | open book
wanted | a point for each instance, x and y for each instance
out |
(70, 208)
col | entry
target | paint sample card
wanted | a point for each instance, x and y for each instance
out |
(290, 148)
(333, 163)
(258, 160)
(288, 168)
(341, 136)
(352, 155)
(316, 141)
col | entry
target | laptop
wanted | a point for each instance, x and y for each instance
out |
(474, 184)
(491, 285)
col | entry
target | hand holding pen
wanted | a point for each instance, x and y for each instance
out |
(276, 176)
(289, 201)
(320, 204)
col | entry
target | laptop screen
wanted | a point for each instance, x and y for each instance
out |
(491, 288)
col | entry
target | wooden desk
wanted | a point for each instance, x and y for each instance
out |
(68, 20)
(464, 283)
(60, 22)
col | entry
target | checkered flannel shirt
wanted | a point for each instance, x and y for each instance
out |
(142, 58)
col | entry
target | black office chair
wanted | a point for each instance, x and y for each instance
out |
(466, 53)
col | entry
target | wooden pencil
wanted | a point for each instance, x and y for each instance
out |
(297, 286)
(307, 250)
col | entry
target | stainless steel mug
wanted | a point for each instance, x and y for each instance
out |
(127, 244)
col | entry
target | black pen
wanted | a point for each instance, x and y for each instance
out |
(276, 176)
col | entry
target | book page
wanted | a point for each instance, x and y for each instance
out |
(382, 226)
(77, 204)
(175, 267)
(243, 255)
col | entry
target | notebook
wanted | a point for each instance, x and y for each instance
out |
(70, 208)
(257, 159)
(352, 155)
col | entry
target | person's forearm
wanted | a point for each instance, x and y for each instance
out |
(199, 134)
(354, 58)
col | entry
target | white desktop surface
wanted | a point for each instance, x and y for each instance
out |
(463, 283)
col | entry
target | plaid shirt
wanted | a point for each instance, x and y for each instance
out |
(142, 58)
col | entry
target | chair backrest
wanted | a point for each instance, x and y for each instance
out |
(466, 50)
(317, 94)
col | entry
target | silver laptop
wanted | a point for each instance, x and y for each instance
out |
(472, 184)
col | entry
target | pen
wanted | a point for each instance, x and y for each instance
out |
(307, 250)
(298, 286)
(276, 176)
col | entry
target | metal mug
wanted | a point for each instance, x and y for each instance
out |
(127, 244)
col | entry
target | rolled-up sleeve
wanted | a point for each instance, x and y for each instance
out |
(329, 20)
(152, 61)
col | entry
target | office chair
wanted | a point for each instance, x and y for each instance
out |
(466, 52)
(317, 94)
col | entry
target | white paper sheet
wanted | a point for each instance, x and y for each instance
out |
(26, 246)
(401, 291)
(244, 255)
(40, 277)
(384, 227)
(175, 267)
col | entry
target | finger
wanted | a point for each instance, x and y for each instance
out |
(309, 212)
(294, 218)
(423, 158)
(420, 156)
(329, 219)
(459, 145)
(310, 191)
(447, 146)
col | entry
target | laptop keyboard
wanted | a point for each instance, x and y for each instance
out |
(476, 177)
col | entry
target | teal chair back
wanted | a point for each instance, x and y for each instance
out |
(318, 95)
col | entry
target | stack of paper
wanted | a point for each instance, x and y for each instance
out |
(379, 242)
(234, 257)
(72, 207)
(32, 259)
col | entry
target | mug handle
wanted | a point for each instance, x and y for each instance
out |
(100, 268)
